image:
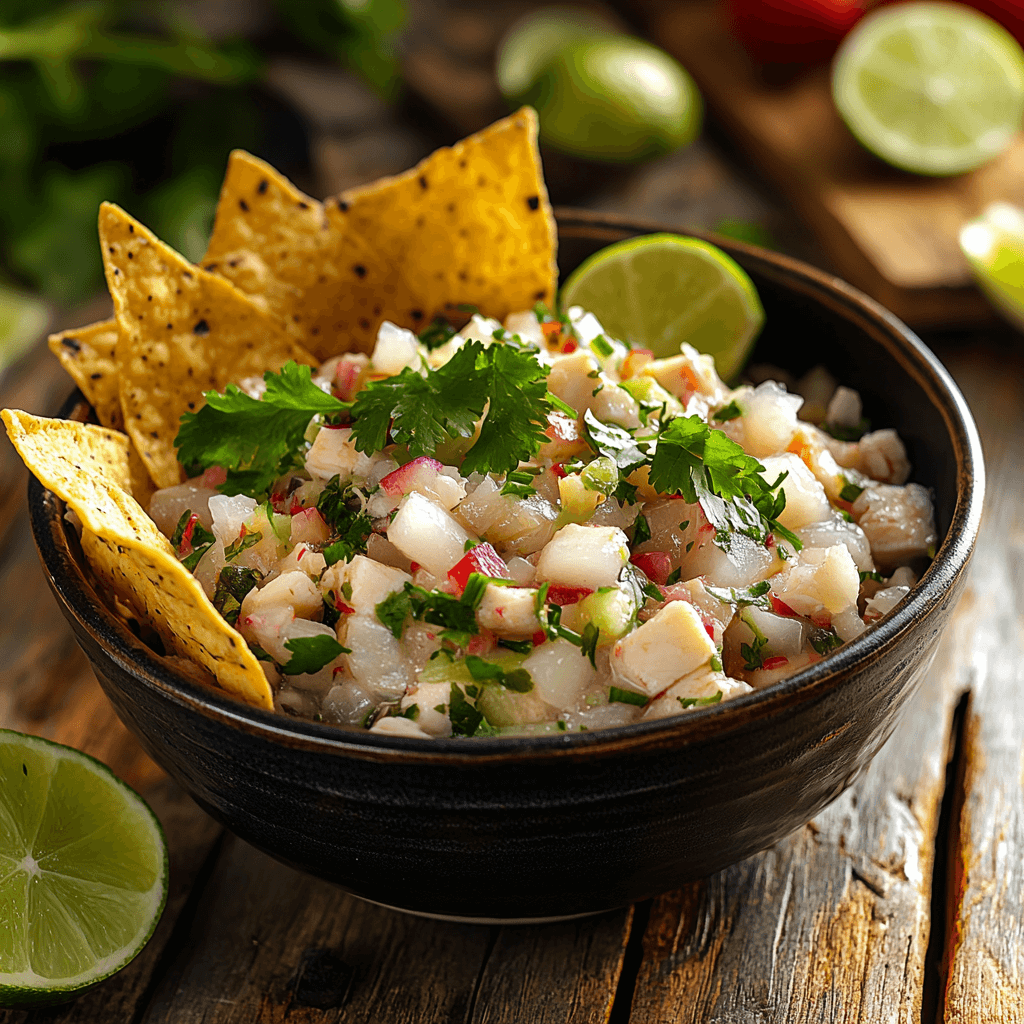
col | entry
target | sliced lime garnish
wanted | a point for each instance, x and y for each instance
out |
(83, 871)
(659, 291)
(933, 88)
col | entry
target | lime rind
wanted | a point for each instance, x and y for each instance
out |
(85, 923)
(661, 290)
(932, 88)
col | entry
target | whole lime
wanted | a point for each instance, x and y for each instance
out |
(537, 37)
(615, 99)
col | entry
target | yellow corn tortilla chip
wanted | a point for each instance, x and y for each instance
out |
(183, 331)
(470, 224)
(275, 244)
(89, 356)
(168, 597)
(88, 467)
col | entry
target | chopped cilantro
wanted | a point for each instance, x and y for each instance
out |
(675, 575)
(652, 591)
(518, 679)
(588, 642)
(456, 616)
(616, 695)
(311, 653)
(876, 576)
(190, 533)
(412, 712)
(233, 583)
(753, 653)
(847, 433)
(641, 530)
(519, 646)
(825, 640)
(246, 540)
(254, 439)
(700, 702)
(436, 333)
(756, 595)
(520, 483)
(728, 412)
(340, 509)
(331, 613)
(466, 720)
(850, 492)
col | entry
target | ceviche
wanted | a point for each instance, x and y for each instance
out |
(619, 537)
(359, 467)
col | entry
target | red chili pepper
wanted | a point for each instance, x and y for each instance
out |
(772, 663)
(559, 470)
(569, 347)
(538, 638)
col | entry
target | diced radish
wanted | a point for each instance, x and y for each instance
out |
(781, 608)
(483, 643)
(346, 375)
(214, 477)
(563, 596)
(482, 559)
(655, 565)
(308, 527)
(404, 479)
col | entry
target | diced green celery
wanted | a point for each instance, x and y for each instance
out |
(601, 475)
(648, 391)
(612, 611)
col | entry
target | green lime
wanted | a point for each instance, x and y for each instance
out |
(83, 871)
(658, 291)
(994, 247)
(535, 39)
(933, 88)
(615, 99)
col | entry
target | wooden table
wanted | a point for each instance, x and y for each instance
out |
(901, 902)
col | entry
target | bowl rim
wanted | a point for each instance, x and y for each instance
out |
(73, 589)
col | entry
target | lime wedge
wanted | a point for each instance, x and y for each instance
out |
(993, 245)
(83, 871)
(933, 88)
(658, 291)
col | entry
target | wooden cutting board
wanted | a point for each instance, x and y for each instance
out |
(890, 233)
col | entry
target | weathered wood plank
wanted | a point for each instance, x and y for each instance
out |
(986, 945)
(554, 973)
(273, 945)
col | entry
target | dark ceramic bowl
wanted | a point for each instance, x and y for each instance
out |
(552, 826)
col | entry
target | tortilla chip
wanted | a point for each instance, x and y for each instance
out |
(275, 244)
(89, 356)
(183, 331)
(471, 224)
(69, 457)
(164, 594)
(88, 467)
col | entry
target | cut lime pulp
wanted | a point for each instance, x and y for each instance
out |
(933, 88)
(83, 871)
(659, 291)
(993, 245)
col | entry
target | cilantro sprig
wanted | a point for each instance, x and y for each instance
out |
(254, 439)
(424, 410)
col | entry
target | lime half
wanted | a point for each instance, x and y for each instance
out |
(993, 245)
(933, 88)
(83, 871)
(661, 290)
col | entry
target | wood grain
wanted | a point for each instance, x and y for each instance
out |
(891, 233)
(986, 945)
(272, 945)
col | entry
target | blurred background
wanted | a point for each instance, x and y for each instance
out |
(703, 113)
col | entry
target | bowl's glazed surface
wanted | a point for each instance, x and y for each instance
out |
(541, 827)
